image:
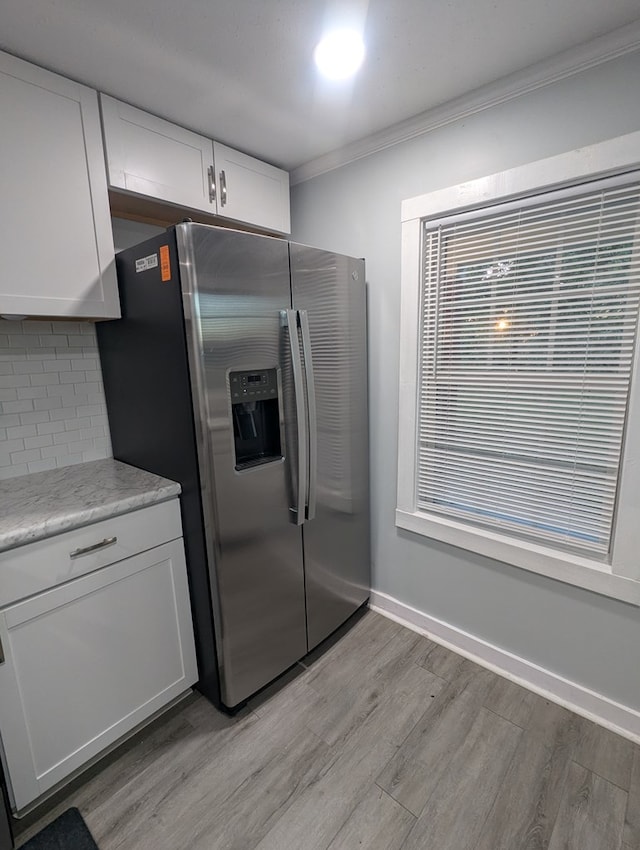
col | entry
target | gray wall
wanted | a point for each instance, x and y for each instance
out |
(587, 638)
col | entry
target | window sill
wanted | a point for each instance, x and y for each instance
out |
(565, 567)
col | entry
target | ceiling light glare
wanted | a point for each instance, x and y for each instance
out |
(339, 54)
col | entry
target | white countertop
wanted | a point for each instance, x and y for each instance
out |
(36, 506)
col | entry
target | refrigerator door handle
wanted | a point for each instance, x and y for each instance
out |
(312, 414)
(291, 319)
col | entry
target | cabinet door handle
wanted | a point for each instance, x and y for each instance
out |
(212, 184)
(108, 541)
(1, 652)
(223, 188)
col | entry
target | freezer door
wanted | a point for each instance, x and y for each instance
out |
(236, 295)
(329, 292)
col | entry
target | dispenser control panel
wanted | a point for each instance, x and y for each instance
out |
(253, 386)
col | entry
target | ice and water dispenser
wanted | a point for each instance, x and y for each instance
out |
(256, 417)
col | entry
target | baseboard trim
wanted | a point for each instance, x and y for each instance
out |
(614, 716)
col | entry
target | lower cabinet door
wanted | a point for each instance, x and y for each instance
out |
(86, 662)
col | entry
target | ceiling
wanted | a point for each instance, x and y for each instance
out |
(241, 71)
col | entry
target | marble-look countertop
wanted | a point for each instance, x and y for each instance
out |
(36, 506)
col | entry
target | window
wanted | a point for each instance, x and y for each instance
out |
(519, 369)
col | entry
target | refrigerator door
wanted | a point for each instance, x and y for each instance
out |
(236, 294)
(329, 292)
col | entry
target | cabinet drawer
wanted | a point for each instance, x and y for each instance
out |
(38, 566)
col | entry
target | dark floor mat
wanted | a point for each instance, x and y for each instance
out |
(67, 832)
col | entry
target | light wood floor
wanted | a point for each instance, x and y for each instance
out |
(384, 741)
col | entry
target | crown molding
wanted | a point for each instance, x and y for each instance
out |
(596, 52)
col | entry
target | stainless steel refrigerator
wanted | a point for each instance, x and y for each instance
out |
(239, 370)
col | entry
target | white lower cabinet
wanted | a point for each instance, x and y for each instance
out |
(87, 661)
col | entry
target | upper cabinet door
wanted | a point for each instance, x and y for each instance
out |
(251, 191)
(55, 241)
(150, 156)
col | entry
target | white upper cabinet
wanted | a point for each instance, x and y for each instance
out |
(250, 190)
(149, 156)
(55, 241)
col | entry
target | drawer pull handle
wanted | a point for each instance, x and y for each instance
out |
(108, 541)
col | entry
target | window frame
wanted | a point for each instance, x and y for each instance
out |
(621, 578)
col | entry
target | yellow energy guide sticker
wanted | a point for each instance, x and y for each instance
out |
(165, 266)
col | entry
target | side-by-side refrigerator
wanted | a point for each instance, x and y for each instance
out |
(239, 370)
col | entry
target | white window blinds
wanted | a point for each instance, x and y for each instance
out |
(528, 327)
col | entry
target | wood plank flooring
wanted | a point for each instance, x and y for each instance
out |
(382, 741)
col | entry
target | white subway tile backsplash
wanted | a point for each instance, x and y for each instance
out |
(54, 451)
(85, 363)
(17, 406)
(7, 448)
(90, 433)
(35, 326)
(73, 399)
(65, 437)
(25, 456)
(90, 410)
(13, 445)
(92, 454)
(12, 328)
(7, 381)
(66, 327)
(73, 377)
(14, 471)
(80, 446)
(43, 465)
(32, 392)
(80, 422)
(55, 341)
(62, 390)
(21, 431)
(47, 403)
(56, 365)
(38, 442)
(34, 418)
(27, 367)
(69, 460)
(44, 380)
(62, 413)
(24, 341)
(7, 420)
(51, 427)
(52, 405)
